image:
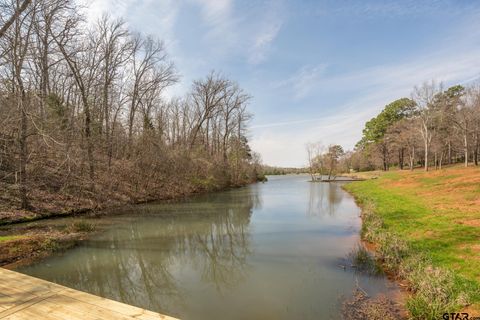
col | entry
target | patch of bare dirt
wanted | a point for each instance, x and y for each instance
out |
(471, 223)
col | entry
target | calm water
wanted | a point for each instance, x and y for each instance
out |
(267, 251)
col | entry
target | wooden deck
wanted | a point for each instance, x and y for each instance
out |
(25, 297)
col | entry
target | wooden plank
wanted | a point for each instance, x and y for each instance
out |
(83, 309)
(30, 314)
(7, 302)
(22, 279)
(22, 292)
(19, 306)
(4, 301)
(24, 297)
(122, 308)
(18, 316)
(62, 307)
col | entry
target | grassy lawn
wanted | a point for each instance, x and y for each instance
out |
(436, 213)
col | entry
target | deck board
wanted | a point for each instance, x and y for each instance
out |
(25, 297)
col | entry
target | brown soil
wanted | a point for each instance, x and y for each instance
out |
(471, 223)
(45, 203)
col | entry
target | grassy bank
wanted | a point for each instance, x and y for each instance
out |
(426, 230)
(27, 242)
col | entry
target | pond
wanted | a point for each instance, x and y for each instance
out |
(271, 250)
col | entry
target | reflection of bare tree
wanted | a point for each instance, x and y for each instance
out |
(324, 198)
(136, 261)
(227, 248)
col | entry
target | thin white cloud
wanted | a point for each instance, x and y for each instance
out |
(218, 16)
(282, 143)
(266, 32)
(285, 123)
(303, 81)
(216, 12)
(263, 41)
(96, 8)
(232, 31)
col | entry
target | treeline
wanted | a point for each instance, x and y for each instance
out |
(84, 118)
(277, 171)
(434, 127)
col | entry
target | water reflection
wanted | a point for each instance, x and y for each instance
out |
(324, 198)
(249, 253)
(136, 262)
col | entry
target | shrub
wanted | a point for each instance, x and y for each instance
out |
(81, 226)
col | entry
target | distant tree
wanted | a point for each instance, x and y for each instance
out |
(424, 97)
(315, 159)
(444, 124)
(376, 129)
(332, 157)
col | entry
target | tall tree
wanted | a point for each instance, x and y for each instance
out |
(424, 97)
(376, 129)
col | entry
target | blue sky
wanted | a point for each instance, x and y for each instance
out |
(317, 70)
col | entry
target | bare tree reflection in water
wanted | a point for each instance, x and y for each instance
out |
(136, 262)
(211, 257)
(324, 198)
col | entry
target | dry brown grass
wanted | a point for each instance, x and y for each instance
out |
(450, 190)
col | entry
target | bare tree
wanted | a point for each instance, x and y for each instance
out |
(19, 9)
(151, 70)
(207, 97)
(18, 40)
(424, 98)
(315, 153)
(83, 108)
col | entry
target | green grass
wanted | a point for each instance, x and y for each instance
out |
(419, 225)
(10, 238)
(406, 215)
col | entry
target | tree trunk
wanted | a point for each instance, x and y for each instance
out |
(385, 157)
(449, 152)
(426, 156)
(400, 158)
(477, 146)
(88, 137)
(412, 159)
(23, 153)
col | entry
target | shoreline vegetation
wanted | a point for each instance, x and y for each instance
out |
(423, 228)
(86, 123)
(422, 222)
(31, 238)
